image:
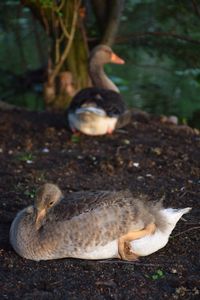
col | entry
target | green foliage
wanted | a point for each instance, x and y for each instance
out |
(44, 3)
(162, 56)
(160, 42)
(75, 138)
(26, 156)
(30, 193)
(157, 275)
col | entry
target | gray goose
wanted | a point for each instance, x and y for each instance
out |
(91, 225)
(100, 109)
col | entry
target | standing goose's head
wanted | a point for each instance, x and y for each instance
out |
(100, 56)
(103, 54)
(47, 196)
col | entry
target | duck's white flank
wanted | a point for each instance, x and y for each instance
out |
(99, 123)
(152, 243)
(110, 250)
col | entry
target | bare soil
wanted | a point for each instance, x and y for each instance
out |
(147, 156)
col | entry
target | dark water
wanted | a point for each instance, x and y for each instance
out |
(148, 81)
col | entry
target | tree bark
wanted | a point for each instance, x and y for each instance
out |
(67, 62)
(108, 14)
(115, 12)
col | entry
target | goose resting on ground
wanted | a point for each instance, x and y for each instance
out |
(91, 225)
(100, 109)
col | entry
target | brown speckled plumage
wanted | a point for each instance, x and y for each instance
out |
(77, 223)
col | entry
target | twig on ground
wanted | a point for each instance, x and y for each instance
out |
(187, 230)
(130, 263)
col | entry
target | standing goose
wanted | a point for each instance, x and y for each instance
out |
(99, 109)
(90, 225)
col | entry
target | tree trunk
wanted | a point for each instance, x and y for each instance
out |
(108, 14)
(67, 69)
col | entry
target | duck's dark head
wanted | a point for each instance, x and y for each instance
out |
(47, 196)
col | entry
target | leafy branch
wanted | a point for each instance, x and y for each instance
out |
(68, 36)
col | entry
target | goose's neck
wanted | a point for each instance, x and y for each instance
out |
(23, 233)
(100, 79)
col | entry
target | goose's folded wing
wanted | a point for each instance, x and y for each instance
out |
(108, 100)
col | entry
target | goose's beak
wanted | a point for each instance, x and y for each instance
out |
(116, 59)
(41, 214)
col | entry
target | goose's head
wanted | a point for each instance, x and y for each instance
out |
(103, 54)
(47, 196)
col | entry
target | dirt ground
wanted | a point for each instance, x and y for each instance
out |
(147, 156)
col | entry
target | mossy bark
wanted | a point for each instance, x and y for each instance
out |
(69, 57)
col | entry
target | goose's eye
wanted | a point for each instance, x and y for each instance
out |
(51, 203)
(107, 51)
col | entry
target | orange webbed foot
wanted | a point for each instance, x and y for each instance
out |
(124, 247)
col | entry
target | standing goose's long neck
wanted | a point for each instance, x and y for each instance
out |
(99, 77)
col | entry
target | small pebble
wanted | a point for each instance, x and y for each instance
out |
(174, 271)
(29, 161)
(173, 120)
(136, 164)
(126, 142)
(149, 175)
(45, 150)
